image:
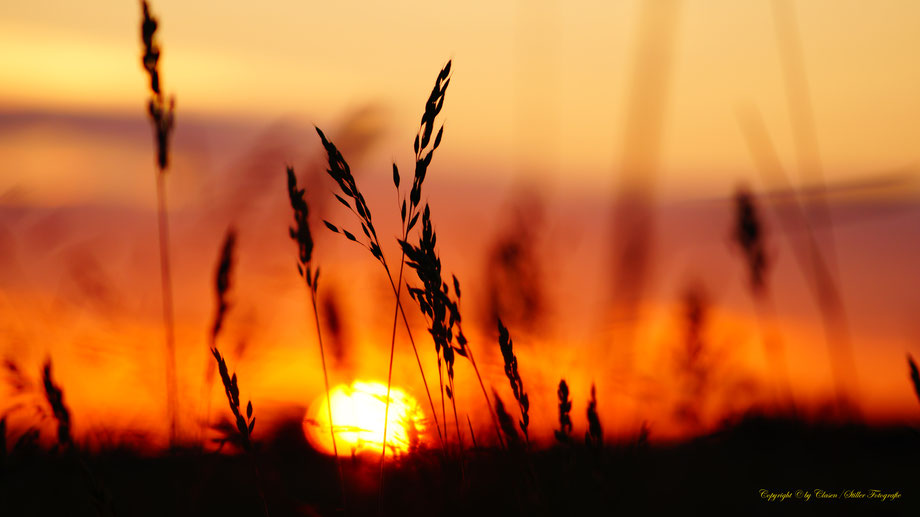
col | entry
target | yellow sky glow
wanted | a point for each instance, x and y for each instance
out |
(540, 82)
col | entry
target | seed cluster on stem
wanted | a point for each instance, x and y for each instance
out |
(231, 388)
(595, 435)
(441, 311)
(565, 408)
(55, 397)
(350, 196)
(300, 234)
(914, 375)
(514, 378)
(161, 112)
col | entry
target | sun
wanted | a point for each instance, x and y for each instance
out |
(358, 413)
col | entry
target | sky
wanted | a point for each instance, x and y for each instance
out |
(552, 106)
(539, 89)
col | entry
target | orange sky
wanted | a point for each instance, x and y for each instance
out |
(539, 92)
(538, 86)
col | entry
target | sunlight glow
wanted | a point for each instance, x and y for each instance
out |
(358, 413)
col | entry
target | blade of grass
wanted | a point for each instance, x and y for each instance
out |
(162, 116)
(300, 233)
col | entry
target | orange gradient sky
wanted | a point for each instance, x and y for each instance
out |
(540, 86)
(536, 124)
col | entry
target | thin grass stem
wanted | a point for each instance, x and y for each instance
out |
(399, 310)
(168, 315)
(485, 394)
(322, 356)
(453, 402)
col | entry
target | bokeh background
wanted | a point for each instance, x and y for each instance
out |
(558, 115)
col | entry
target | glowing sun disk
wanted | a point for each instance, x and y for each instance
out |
(358, 413)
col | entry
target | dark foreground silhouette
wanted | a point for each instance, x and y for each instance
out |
(735, 471)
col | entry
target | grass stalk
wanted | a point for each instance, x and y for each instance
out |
(594, 437)
(441, 311)
(418, 359)
(472, 434)
(453, 403)
(245, 425)
(914, 375)
(485, 394)
(386, 410)
(161, 115)
(399, 311)
(422, 138)
(322, 355)
(168, 310)
(565, 408)
(441, 388)
(514, 378)
(300, 234)
(811, 260)
(749, 235)
(341, 173)
(222, 283)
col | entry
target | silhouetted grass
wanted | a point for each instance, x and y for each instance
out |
(55, 398)
(335, 325)
(717, 474)
(222, 283)
(441, 311)
(514, 378)
(244, 425)
(161, 114)
(409, 213)
(472, 434)
(644, 433)
(300, 233)
(914, 375)
(341, 173)
(595, 435)
(693, 365)
(506, 422)
(749, 233)
(593, 476)
(513, 273)
(565, 407)
(811, 260)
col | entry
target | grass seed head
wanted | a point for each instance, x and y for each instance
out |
(160, 110)
(644, 432)
(565, 408)
(695, 319)
(434, 299)
(222, 281)
(424, 152)
(352, 198)
(749, 234)
(595, 435)
(231, 389)
(514, 378)
(151, 58)
(55, 398)
(914, 375)
(506, 422)
(300, 232)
